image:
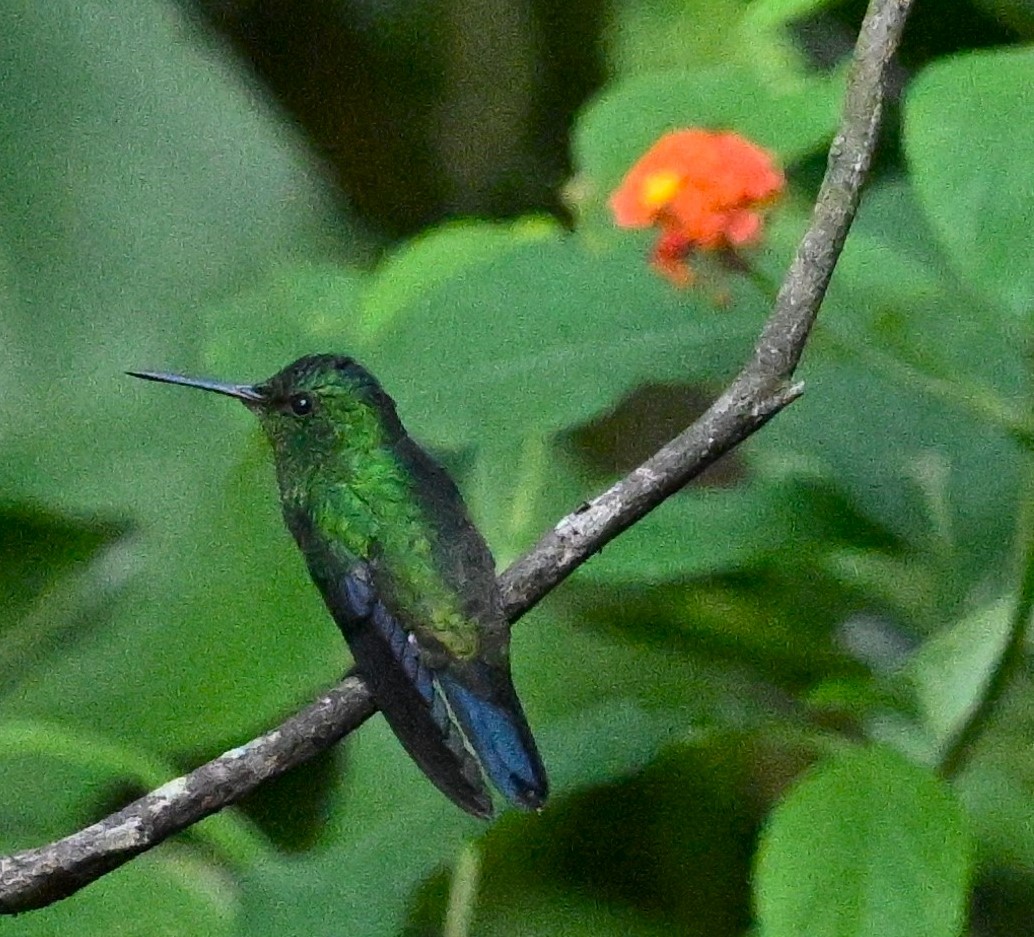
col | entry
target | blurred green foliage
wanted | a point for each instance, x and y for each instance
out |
(836, 595)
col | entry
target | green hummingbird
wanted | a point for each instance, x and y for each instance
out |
(404, 572)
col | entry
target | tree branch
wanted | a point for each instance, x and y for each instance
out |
(37, 877)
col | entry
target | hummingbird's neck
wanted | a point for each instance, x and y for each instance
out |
(366, 463)
(354, 446)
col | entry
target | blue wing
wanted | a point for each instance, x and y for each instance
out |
(404, 687)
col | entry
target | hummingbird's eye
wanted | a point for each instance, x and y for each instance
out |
(301, 404)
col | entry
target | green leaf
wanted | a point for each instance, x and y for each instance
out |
(968, 136)
(701, 532)
(770, 14)
(866, 843)
(49, 773)
(997, 794)
(443, 253)
(298, 309)
(950, 672)
(540, 327)
(907, 379)
(653, 34)
(784, 510)
(57, 577)
(545, 912)
(518, 488)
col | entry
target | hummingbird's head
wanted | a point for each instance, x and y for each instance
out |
(323, 404)
(315, 408)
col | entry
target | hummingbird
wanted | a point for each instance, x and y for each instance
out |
(404, 572)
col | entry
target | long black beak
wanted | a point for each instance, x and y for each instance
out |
(242, 392)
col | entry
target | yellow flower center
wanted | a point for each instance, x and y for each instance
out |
(659, 189)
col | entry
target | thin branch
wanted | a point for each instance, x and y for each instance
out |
(37, 877)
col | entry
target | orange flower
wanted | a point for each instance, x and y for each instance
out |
(703, 189)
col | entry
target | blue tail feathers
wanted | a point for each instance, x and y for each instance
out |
(499, 734)
(405, 690)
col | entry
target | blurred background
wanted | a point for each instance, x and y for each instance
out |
(219, 187)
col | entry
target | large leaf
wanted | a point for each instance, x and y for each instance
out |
(950, 672)
(969, 137)
(553, 331)
(904, 379)
(545, 912)
(56, 780)
(57, 577)
(225, 632)
(444, 253)
(865, 844)
(652, 34)
(713, 531)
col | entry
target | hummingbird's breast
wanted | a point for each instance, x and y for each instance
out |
(368, 511)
